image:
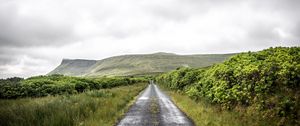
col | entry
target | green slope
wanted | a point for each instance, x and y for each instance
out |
(136, 64)
(75, 67)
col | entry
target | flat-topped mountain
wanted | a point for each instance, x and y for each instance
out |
(136, 64)
(73, 67)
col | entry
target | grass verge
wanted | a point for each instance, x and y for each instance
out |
(99, 107)
(205, 114)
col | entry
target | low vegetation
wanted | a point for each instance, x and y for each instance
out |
(97, 107)
(58, 84)
(206, 114)
(264, 83)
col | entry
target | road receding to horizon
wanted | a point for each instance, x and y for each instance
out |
(154, 108)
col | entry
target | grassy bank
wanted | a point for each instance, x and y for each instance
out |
(205, 114)
(98, 107)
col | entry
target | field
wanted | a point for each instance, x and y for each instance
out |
(104, 106)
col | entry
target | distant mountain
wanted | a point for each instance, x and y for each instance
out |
(74, 67)
(138, 64)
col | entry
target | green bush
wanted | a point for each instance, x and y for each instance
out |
(40, 86)
(268, 80)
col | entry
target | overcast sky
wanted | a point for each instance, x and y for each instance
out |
(35, 35)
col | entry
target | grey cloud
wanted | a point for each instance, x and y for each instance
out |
(263, 33)
(169, 13)
(277, 5)
(5, 59)
(10, 56)
(14, 55)
(7, 56)
(20, 62)
(296, 31)
(18, 30)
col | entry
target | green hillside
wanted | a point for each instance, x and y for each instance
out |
(136, 64)
(74, 67)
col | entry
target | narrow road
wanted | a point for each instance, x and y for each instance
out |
(154, 108)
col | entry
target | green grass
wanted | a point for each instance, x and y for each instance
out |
(205, 114)
(99, 107)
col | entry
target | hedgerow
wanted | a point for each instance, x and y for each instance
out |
(58, 84)
(267, 80)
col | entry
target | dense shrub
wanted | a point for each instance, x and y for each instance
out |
(269, 80)
(58, 84)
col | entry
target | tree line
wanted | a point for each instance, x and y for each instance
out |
(40, 86)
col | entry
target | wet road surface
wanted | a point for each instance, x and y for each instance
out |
(154, 108)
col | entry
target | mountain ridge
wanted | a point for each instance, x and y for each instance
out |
(136, 64)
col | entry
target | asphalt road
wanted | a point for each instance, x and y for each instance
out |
(154, 108)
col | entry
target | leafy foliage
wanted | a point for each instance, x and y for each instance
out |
(269, 80)
(58, 84)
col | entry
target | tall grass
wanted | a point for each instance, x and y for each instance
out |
(206, 114)
(98, 107)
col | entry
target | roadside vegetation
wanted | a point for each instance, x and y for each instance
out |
(40, 86)
(204, 113)
(263, 84)
(97, 107)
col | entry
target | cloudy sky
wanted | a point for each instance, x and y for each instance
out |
(35, 35)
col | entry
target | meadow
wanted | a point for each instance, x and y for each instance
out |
(96, 107)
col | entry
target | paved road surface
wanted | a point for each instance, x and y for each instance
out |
(154, 108)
